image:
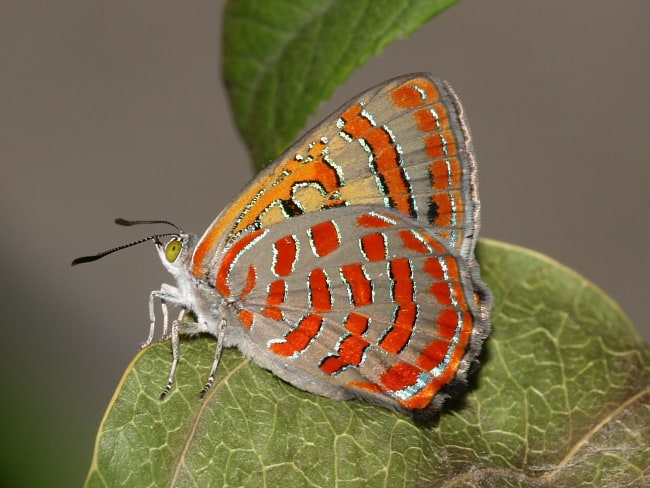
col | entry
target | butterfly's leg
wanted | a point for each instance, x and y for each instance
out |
(175, 357)
(179, 327)
(163, 306)
(165, 336)
(166, 294)
(152, 317)
(217, 357)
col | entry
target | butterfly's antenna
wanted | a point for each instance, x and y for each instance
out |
(95, 257)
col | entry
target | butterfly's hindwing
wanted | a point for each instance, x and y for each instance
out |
(368, 302)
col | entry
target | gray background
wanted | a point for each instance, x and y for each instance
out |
(117, 109)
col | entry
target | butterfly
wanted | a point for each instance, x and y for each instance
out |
(347, 266)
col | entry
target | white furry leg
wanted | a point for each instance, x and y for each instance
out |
(217, 357)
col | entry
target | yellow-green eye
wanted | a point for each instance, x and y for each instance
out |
(173, 249)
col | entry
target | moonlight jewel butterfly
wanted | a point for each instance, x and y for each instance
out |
(347, 266)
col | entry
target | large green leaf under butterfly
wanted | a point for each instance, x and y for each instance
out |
(563, 400)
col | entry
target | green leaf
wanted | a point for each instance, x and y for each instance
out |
(282, 58)
(562, 400)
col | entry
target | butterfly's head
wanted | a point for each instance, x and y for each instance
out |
(176, 253)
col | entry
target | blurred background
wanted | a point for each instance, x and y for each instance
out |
(117, 109)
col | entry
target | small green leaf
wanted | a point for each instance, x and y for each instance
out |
(282, 58)
(562, 400)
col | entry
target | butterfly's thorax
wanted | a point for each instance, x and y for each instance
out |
(190, 292)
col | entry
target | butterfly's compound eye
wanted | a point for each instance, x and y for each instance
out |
(173, 249)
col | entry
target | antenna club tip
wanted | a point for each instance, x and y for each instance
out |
(84, 259)
(128, 223)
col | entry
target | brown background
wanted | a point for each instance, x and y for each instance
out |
(117, 109)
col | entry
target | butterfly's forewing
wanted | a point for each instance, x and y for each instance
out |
(403, 145)
(357, 304)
